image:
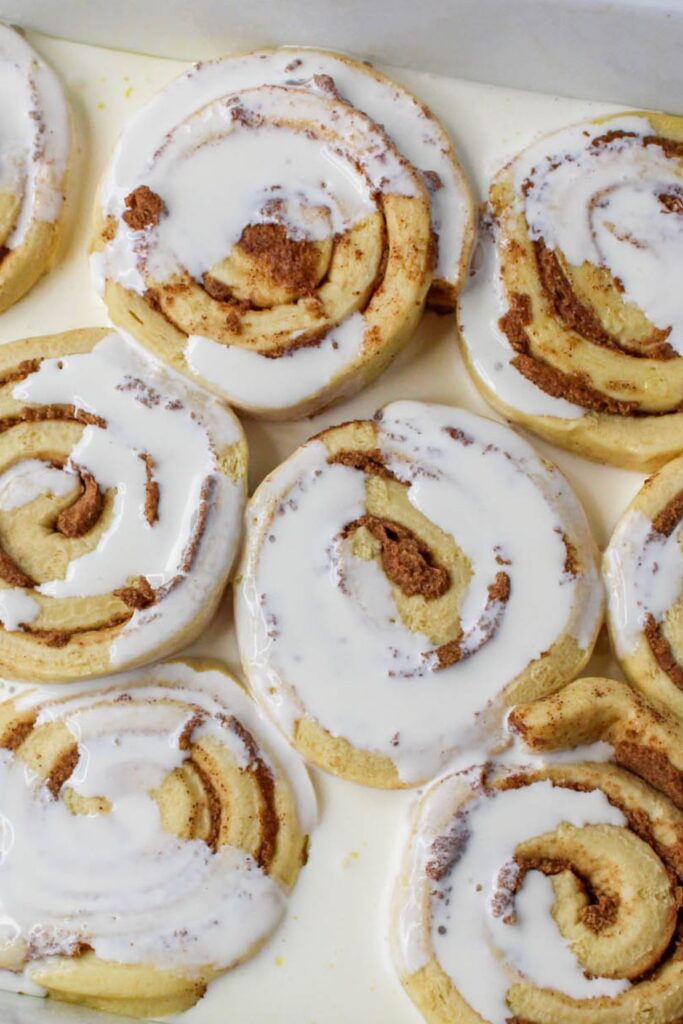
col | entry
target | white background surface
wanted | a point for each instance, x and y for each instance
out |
(328, 963)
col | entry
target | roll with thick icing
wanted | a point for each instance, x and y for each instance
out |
(34, 164)
(271, 224)
(157, 825)
(573, 325)
(643, 571)
(548, 892)
(121, 497)
(404, 580)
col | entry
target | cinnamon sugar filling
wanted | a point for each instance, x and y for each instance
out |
(82, 516)
(601, 910)
(12, 574)
(664, 523)
(144, 208)
(668, 518)
(214, 807)
(638, 821)
(269, 818)
(18, 731)
(410, 565)
(406, 560)
(551, 381)
(368, 461)
(151, 490)
(579, 318)
(457, 650)
(142, 595)
(283, 259)
(653, 766)
(661, 650)
(62, 771)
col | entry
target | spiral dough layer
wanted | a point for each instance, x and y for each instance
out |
(574, 323)
(121, 495)
(149, 837)
(549, 893)
(259, 231)
(36, 149)
(643, 570)
(404, 580)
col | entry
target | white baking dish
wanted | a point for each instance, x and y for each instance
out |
(328, 963)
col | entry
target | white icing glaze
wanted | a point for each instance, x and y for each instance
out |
(627, 229)
(643, 571)
(150, 411)
(480, 307)
(482, 954)
(17, 607)
(211, 154)
(116, 880)
(218, 146)
(417, 135)
(34, 134)
(26, 480)
(249, 378)
(340, 650)
(518, 753)
(262, 165)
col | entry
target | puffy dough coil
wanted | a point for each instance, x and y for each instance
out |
(384, 600)
(550, 892)
(258, 230)
(574, 325)
(121, 495)
(151, 831)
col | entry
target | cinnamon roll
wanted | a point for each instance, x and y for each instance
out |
(550, 893)
(643, 570)
(574, 325)
(258, 229)
(34, 162)
(121, 496)
(405, 580)
(151, 831)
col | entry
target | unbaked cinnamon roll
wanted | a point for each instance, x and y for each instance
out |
(151, 831)
(643, 570)
(272, 224)
(573, 325)
(34, 162)
(405, 580)
(549, 893)
(121, 496)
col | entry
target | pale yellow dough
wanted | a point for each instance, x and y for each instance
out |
(28, 536)
(436, 618)
(640, 665)
(619, 863)
(382, 267)
(187, 804)
(628, 373)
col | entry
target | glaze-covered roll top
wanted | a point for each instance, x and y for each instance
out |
(406, 579)
(150, 837)
(268, 238)
(121, 494)
(548, 893)
(575, 324)
(36, 146)
(643, 570)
